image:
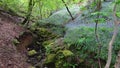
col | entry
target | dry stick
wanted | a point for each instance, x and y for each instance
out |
(68, 9)
(113, 38)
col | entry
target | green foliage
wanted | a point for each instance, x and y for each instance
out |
(84, 43)
(118, 14)
(67, 53)
(57, 54)
(45, 33)
(105, 14)
(55, 28)
(50, 58)
(79, 43)
(117, 1)
(42, 8)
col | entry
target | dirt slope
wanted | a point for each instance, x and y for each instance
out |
(9, 57)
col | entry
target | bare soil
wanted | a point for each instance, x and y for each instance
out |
(9, 56)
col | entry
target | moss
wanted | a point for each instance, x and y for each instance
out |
(67, 53)
(48, 43)
(39, 57)
(32, 52)
(58, 63)
(45, 33)
(55, 28)
(50, 58)
(15, 41)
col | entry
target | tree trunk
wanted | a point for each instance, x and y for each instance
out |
(113, 39)
(98, 8)
(68, 9)
(117, 64)
(30, 7)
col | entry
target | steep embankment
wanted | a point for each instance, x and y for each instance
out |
(9, 57)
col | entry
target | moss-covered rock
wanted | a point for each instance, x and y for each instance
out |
(50, 58)
(45, 34)
(38, 50)
(55, 28)
(32, 52)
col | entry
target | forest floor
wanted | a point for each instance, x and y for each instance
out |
(9, 56)
(9, 30)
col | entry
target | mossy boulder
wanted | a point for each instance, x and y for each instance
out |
(55, 28)
(45, 34)
(53, 46)
(37, 50)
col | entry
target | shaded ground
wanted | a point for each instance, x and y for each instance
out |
(9, 57)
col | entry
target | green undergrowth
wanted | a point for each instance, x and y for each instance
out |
(55, 28)
(36, 49)
(83, 43)
(77, 48)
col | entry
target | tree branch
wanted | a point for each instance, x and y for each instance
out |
(68, 9)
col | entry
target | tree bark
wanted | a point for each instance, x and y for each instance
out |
(68, 9)
(113, 38)
(117, 64)
(30, 7)
(98, 3)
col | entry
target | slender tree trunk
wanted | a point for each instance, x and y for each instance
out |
(117, 64)
(68, 9)
(30, 7)
(113, 39)
(98, 8)
(40, 8)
